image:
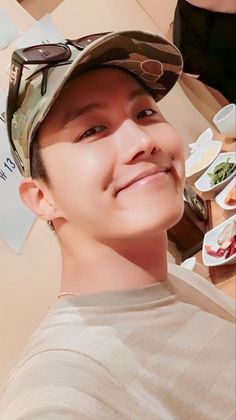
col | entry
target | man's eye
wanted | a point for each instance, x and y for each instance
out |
(146, 113)
(92, 131)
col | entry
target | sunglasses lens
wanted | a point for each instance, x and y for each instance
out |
(46, 53)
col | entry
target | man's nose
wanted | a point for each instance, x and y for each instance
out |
(135, 142)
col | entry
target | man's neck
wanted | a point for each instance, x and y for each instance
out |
(94, 268)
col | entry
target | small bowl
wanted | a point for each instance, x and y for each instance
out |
(220, 198)
(211, 238)
(205, 153)
(225, 120)
(203, 183)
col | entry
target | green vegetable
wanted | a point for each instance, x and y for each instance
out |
(222, 171)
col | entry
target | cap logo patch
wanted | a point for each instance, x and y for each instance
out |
(152, 70)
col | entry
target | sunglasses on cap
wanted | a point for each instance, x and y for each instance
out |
(47, 55)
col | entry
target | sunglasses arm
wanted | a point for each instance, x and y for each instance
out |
(15, 78)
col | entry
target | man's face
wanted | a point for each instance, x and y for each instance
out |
(115, 165)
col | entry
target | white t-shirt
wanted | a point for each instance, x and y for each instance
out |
(165, 351)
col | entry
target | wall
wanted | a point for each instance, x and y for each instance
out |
(161, 11)
(30, 280)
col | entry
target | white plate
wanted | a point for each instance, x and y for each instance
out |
(220, 198)
(203, 183)
(204, 138)
(211, 238)
(209, 150)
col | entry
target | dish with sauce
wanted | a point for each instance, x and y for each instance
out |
(202, 158)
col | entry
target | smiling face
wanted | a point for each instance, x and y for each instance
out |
(115, 165)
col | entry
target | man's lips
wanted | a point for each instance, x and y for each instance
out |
(141, 175)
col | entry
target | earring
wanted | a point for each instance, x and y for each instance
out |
(50, 225)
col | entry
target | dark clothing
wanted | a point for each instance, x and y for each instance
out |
(207, 41)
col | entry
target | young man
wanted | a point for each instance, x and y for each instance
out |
(126, 339)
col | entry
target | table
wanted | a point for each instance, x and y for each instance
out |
(224, 273)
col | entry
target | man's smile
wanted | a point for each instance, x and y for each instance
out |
(144, 177)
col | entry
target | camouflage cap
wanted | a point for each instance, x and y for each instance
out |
(151, 58)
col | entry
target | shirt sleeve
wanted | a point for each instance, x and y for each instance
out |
(57, 385)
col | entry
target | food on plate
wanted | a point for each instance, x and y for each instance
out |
(227, 234)
(226, 240)
(205, 158)
(230, 198)
(221, 172)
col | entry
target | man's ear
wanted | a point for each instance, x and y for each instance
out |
(36, 197)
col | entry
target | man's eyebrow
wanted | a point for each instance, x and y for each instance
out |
(140, 91)
(70, 116)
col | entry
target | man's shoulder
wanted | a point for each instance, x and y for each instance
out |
(57, 358)
(192, 288)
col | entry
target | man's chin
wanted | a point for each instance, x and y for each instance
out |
(177, 215)
(167, 221)
(148, 229)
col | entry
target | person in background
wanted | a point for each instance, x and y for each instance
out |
(204, 31)
(128, 337)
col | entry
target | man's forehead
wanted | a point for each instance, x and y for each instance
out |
(101, 104)
(83, 94)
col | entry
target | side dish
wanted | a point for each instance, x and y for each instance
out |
(221, 172)
(230, 198)
(226, 241)
(204, 159)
